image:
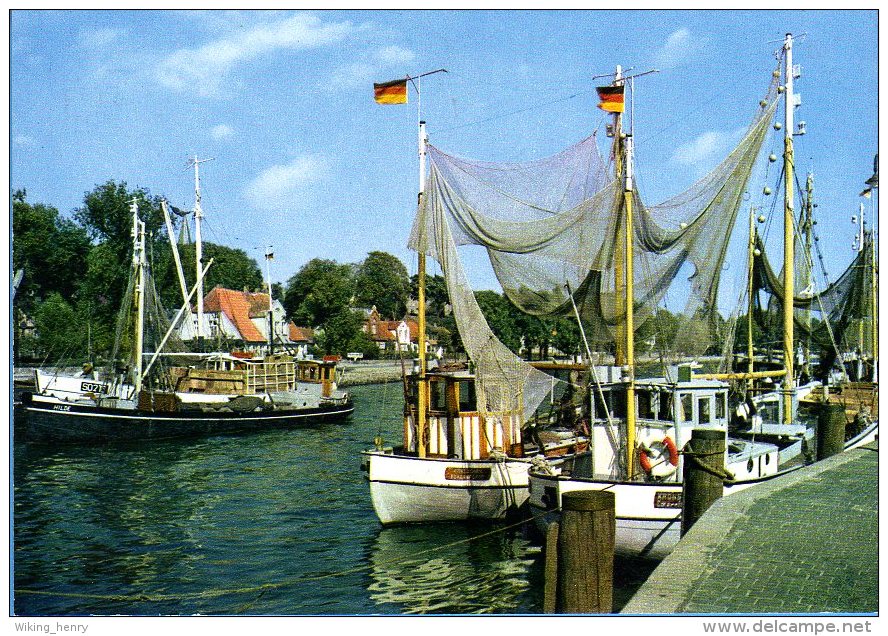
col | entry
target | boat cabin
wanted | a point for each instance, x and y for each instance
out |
(667, 411)
(455, 428)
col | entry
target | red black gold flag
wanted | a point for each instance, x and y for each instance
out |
(394, 92)
(611, 98)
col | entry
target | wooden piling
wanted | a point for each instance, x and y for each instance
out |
(703, 475)
(586, 553)
(830, 430)
(550, 578)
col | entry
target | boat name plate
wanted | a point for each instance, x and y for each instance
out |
(457, 473)
(667, 499)
(93, 387)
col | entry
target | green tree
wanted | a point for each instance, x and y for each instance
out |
(500, 315)
(107, 218)
(342, 333)
(320, 290)
(232, 268)
(59, 332)
(51, 250)
(567, 338)
(382, 280)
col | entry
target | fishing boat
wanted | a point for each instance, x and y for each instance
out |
(639, 448)
(225, 395)
(470, 434)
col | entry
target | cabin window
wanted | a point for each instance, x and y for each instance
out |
(467, 397)
(645, 406)
(618, 404)
(665, 406)
(721, 406)
(705, 413)
(687, 407)
(437, 395)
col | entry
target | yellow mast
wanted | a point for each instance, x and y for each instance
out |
(630, 316)
(620, 353)
(750, 350)
(788, 236)
(422, 385)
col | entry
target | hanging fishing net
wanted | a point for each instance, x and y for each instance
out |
(552, 229)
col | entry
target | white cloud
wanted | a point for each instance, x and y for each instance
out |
(385, 60)
(205, 67)
(707, 148)
(98, 38)
(222, 131)
(23, 140)
(680, 48)
(392, 55)
(286, 186)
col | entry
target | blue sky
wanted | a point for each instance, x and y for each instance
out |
(304, 160)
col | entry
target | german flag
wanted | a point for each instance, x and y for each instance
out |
(394, 92)
(611, 98)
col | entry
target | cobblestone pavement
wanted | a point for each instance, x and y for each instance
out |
(805, 543)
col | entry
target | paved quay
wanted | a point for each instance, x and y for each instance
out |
(803, 544)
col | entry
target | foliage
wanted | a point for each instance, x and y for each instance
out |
(59, 332)
(382, 280)
(500, 315)
(51, 250)
(341, 332)
(319, 291)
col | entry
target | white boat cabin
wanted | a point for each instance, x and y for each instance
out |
(455, 428)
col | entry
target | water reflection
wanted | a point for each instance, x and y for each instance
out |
(453, 569)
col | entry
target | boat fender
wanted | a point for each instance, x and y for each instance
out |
(659, 458)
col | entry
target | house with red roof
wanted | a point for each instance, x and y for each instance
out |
(240, 318)
(385, 332)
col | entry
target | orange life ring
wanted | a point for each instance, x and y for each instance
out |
(646, 454)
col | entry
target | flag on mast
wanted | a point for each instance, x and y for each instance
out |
(611, 98)
(394, 92)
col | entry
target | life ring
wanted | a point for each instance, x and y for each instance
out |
(659, 458)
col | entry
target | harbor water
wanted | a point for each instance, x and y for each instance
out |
(272, 523)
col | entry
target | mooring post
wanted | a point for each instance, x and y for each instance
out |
(586, 553)
(550, 578)
(830, 430)
(703, 475)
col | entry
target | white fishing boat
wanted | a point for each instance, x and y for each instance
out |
(638, 455)
(132, 403)
(464, 454)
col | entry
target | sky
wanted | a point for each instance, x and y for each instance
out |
(305, 161)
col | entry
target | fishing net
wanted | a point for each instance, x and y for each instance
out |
(551, 229)
(841, 307)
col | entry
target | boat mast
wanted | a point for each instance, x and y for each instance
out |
(269, 255)
(198, 250)
(807, 226)
(630, 313)
(750, 349)
(788, 235)
(138, 233)
(619, 256)
(422, 387)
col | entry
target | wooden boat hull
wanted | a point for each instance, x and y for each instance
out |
(648, 514)
(48, 422)
(409, 489)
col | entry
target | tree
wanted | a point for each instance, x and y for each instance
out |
(107, 218)
(232, 268)
(382, 280)
(52, 252)
(342, 333)
(59, 333)
(500, 316)
(317, 292)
